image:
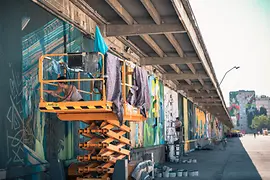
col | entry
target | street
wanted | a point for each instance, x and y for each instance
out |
(245, 158)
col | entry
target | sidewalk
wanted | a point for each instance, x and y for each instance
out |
(230, 164)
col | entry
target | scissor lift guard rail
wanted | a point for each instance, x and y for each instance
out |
(107, 143)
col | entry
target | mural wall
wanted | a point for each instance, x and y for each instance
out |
(181, 108)
(186, 123)
(46, 137)
(191, 120)
(242, 108)
(171, 113)
(154, 126)
(214, 127)
(30, 137)
(11, 122)
(201, 124)
(208, 125)
(136, 134)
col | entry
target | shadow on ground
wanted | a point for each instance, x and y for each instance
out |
(233, 163)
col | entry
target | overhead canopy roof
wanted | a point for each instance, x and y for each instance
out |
(166, 36)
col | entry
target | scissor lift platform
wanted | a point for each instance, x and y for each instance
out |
(89, 110)
(107, 141)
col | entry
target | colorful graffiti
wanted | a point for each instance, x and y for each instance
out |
(208, 124)
(191, 120)
(215, 127)
(201, 126)
(46, 136)
(242, 107)
(153, 126)
(136, 134)
(171, 112)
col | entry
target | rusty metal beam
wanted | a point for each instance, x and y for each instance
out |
(140, 29)
(168, 60)
(171, 76)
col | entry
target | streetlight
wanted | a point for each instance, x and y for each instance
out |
(235, 67)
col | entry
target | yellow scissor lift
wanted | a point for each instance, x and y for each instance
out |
(107, 142)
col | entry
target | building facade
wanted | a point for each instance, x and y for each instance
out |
(263, 101)
(242, 109)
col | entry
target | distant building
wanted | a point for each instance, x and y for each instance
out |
(263, 101)
(242, 109)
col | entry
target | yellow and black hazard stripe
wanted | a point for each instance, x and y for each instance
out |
(44, 108)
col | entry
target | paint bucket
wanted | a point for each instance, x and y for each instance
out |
(185, 173)
(194, 160)
(166, 174)
(180, 173)
(191, 173)
(164, 168)
(184, 161)
(177, 153)
(156, 170)
(196, 173)
(172, 174)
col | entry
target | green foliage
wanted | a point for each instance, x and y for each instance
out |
(260, 122)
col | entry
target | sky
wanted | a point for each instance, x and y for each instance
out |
(237, 33)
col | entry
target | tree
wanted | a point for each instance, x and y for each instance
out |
(263, 111)
(260, 122)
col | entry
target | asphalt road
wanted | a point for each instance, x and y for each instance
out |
(245, 158)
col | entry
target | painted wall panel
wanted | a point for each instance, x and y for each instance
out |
(180, 108)
(55, 36)
(33, 137)
(191, 121)
(171, 112)
(209, 127)
(186, 124)
(11, 121)
(153, 126)
(201, 130)
(136, 134)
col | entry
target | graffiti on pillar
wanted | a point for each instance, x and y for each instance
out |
(153, 126)
(16, 128)
(201, 130)
(46, 136)
(215, 127)
(191, 121)
(208, 124)
(171, 112)
(136, 134)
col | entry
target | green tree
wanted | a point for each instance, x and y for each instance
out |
(260, 122)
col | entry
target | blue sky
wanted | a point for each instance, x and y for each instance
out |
(237, 33)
